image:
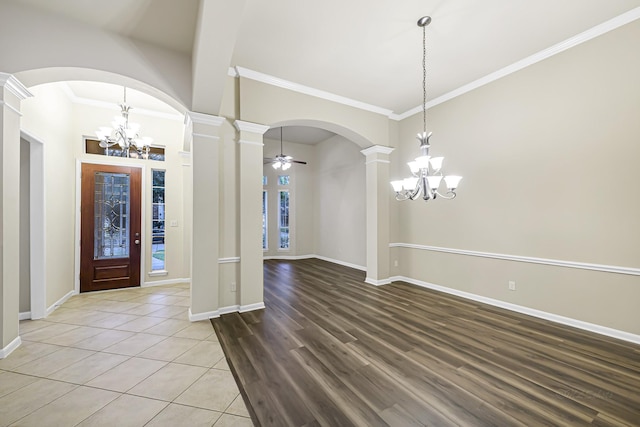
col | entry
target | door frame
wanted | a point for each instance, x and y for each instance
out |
(107, 161)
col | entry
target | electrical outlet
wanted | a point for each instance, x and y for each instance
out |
(233, 286)
(395, 263)
(512, 285)
(173, 223)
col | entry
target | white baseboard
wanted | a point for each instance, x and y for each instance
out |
(165, 282)
(24, 316)
(224, 310)
(288, 257)
(251, 307)
(591, 327)
(375, 282)
(59, 302)
(4, 352)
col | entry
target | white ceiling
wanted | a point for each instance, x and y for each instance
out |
(365, 50)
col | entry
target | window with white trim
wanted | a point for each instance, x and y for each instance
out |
(157, 220)
(283, 218)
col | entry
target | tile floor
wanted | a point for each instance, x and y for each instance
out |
(120, 358)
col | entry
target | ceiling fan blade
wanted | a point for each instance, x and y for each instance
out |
(299, 161)
(268, 160)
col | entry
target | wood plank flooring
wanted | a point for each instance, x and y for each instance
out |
(330, 350)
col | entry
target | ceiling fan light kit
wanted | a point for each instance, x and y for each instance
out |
(425, 170)
(281, 161)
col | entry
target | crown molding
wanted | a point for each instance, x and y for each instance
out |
(14, 86)
(580, 38)
(379, 149)
(250, 127)
(203, 119)
(296, 87)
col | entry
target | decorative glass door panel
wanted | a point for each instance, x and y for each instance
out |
(111, 205)
(110, 238)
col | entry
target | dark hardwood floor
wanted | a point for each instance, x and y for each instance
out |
(330, 350)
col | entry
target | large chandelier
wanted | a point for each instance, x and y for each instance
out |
(425, 170)
(124, 135)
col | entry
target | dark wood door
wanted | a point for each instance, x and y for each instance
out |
(110, 227)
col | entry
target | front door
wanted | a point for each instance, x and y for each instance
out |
(110, 227)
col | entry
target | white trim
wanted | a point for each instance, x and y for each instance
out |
(14, 86)
(285, 84)
(229, 309)
(4, 352)
(346, 264)
(202, 135)
(244, 141)
(37, 225)
(555, 262)
(288, 257)
(587, 35)
(165, 282)
(250, 127)
(377, 161)
(602, 330)
(375, 282)
(185, 154)
(251, 307)
(11, 108)
(229, 260)
(381, 149)
(26, 315)
(204, 119)
(157, 273)
(61, 301)
(203, 316)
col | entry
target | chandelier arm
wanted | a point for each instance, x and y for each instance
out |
(448, 195)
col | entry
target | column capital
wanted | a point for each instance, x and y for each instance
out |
(204, 119)
(250, 127)
(377, 149)
(14, 86)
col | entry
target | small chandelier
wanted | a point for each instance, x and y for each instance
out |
(124, 135)
(425, 170)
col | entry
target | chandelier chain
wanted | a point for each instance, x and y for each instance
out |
(424, 79)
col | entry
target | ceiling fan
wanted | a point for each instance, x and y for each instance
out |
(282, 161)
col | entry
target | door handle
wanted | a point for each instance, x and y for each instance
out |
(137, 241)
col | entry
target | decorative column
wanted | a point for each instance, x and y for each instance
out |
(377, 193)
(250, 193)
(11, 93)
(204, 218)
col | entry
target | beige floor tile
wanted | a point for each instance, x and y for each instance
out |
(88, 368)
(148, 298)
(184, 293)
(47, 332)
(215, 390)
(184, 416)
(31, 325)
(77, 301)
(127, 375)
(30, 398)
(205, 353)
(10, 382)
(87, 318)
(168, 327)
(70, 409)
(139, 324)
(169, 382)
(103, 340)
(125, 411)
(123, 295)
(53, 362)
(63, 313)
(170, 311)
(168, 300)
(222, 365)
(227, 420)
(117, 306)
(145, 309)
(183, 302)
(73, 336)
(169, 349)
(113, 320)
(238, 407)
(135, 344)
(197, 330)
(27, 352)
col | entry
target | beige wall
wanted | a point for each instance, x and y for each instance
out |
(48, 116)
(549, 159)
(339, 202)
